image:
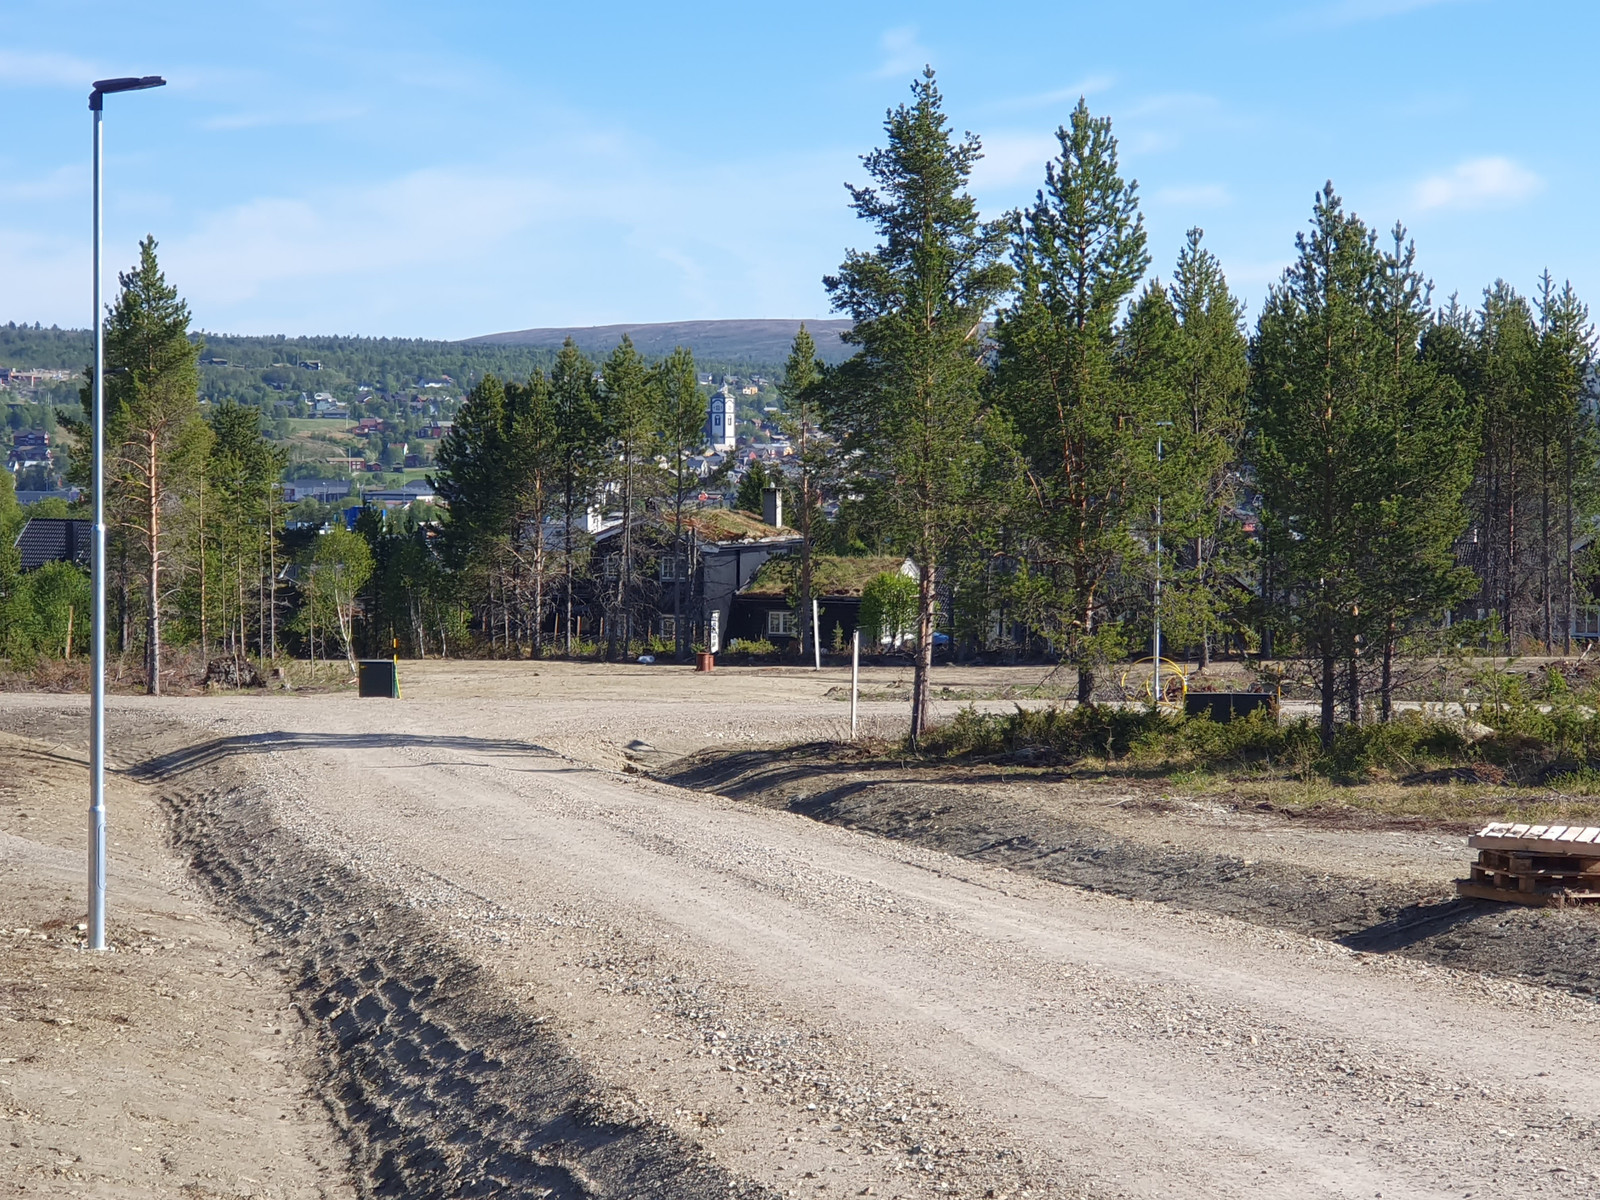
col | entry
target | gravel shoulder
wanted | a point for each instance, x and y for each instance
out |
(1371, 886)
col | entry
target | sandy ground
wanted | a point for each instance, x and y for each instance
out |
(529, 973)
(176, 1067)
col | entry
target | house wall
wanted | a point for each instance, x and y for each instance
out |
(749, 619)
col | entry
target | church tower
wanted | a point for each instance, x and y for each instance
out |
(720, 420)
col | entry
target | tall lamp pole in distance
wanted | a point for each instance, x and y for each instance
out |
(97, 644)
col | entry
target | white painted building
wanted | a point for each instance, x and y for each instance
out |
(720, 420)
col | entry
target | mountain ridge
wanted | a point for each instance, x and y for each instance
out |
(755, 340)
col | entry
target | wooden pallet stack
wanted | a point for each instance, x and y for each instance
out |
(1552, 865)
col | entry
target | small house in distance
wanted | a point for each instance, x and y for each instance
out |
(765, 607)
(54, 539)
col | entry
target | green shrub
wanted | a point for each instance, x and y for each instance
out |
(46, 604)
(1084, 730)
(888, 609)
(1152, 738)
(752, 648)
(1408, 743)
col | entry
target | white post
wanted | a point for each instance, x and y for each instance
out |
(816, 634)
(97, 623)
(855, 678)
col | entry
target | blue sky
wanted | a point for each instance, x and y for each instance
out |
(421, 169)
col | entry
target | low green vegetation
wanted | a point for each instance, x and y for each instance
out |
(1516, 740)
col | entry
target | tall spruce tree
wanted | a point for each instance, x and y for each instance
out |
(1084, 434)
(909, 404)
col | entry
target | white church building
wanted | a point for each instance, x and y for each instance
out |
(720, 420)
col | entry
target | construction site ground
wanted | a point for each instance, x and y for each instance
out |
(587, 931)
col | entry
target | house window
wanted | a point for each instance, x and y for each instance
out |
(672, 568)
(780, 623)
(669, 629)
(1586, 621)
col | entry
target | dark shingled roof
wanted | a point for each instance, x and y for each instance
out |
(54, 539)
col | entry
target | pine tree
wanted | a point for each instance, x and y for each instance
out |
(630, 410)
(681, 431)
(473, 481)
(909, 404)
(1213, 379)
(751, 492)
(1567, 448)
(579, 434)
(241, 479)
(156, 441)
(1425, 460)
(1084, 435)
(1320, 437)
(802, 374)
(532, 472)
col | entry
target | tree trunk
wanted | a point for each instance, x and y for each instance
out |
(1330, 667)
(1566, 541)
(205, 644)
(1085, 672)
(924, 661)
(1353, 683)
(153, 619)
(1386, 693)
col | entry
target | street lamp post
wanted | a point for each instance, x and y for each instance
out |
(97, 644)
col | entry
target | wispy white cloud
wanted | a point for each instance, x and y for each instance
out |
(268, 119)
(21, 68)
(1356, 12)
(1013, 158)
(1194, 195)
(903, 54)
(1088, 86)
(1492, 182)
(57, 184)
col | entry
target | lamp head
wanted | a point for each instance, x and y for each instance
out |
(125, 83)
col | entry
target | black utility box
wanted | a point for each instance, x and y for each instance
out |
(378, 677)
(1223, 707)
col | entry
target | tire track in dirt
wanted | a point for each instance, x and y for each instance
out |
(440, 1085)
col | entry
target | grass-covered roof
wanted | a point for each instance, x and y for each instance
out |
(729, 525)
(831, 574)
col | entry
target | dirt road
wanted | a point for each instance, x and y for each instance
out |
(532, 975)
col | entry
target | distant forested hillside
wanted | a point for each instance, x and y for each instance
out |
(263, 370)
(753, 345)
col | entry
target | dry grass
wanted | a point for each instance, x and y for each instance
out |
(1453, 805)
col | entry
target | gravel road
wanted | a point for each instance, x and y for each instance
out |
(534, 975)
